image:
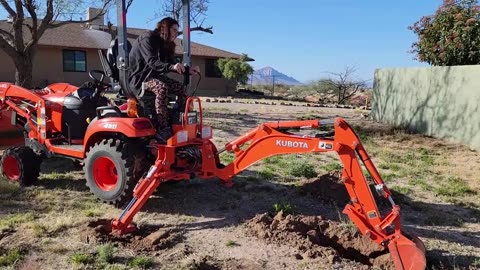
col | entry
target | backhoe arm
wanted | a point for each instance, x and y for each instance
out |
(266, 140)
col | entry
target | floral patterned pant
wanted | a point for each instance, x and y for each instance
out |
(162, 87)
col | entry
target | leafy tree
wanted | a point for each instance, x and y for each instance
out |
(449, 37)
(30, 19)
(235, 69)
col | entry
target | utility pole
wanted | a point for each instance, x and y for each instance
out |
(273, 84)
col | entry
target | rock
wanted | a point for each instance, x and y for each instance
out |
(311, 221)
(279, 216)
(155, 237)
(298, 256)
(207, 100)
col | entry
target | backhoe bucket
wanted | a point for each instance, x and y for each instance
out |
(408, 253)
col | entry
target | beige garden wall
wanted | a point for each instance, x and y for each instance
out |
(442, 102)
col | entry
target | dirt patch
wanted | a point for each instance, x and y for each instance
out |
(210, 263)
(315, 237)
(146, 238)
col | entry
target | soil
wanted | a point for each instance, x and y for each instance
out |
(204, 225)
(315, 237)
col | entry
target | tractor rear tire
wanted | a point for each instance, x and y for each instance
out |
(20, 165)
(112, 169)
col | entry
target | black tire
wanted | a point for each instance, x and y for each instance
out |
(21, 165)
(124, 161)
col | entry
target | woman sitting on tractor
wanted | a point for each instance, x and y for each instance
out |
(151, 59)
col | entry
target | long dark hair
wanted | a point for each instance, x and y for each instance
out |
(163, 29)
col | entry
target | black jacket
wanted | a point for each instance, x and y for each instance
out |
(146, 59)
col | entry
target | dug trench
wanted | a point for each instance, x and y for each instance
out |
(313, 237)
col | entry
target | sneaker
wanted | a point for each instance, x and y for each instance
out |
(163, 134)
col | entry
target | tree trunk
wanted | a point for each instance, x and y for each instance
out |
(24, 70)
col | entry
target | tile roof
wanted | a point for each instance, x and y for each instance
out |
(76, 35)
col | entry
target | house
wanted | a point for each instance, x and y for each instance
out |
(69, 52)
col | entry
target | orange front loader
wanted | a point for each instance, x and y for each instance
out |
(190, 153)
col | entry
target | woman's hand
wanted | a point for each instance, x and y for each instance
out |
(179, 68)
(195, 70)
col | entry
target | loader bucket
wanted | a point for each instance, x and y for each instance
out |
(408, 253)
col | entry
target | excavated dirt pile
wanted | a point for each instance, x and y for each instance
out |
(315, 237)
(146, 238)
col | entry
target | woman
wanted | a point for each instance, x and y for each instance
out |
(151, 59)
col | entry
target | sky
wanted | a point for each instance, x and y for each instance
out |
(306, 39)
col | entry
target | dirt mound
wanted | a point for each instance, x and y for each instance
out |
(146, 238)
(328, 187)
(315, 237)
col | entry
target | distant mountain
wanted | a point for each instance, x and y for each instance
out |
(267, 75)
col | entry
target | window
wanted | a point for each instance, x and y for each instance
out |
(74, 61)
(211, 69)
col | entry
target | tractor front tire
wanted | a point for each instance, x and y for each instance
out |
(112, 169)
(20, 165)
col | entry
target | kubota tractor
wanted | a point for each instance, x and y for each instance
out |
(112, 141)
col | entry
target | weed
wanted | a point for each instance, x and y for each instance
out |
(275, 160)
(303, 169)
(39, 229)
(15, 219)
(420, 182)
(105, 253)
(266, 173)
(231, 243)
(453, 187)
(286, 208)
(81, 258)
(333, 166)
(116, 267)
(390, 166)
(402, 189)
(91, 213)
(142, 262)
(11, 257)
(389, 177)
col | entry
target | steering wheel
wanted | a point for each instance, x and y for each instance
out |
(100, 82)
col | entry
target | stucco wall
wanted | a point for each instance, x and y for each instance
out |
(442, 102)
(48, 68)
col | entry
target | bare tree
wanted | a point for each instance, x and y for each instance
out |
(343, 84)
(198, 13)
(37, 16)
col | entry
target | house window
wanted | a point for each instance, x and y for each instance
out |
(211, 69)
(74, 61)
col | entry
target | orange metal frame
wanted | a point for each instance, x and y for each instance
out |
(48, 105)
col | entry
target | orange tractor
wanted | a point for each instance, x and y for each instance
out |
(112, 141)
